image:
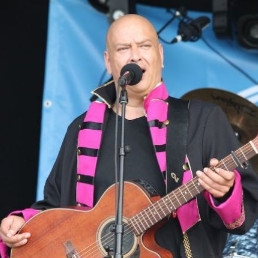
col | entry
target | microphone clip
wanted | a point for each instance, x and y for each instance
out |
(191, 30)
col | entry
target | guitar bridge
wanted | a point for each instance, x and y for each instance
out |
(70, 250)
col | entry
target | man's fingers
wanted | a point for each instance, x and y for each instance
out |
(18, 240)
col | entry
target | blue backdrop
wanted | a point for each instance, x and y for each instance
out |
(75, 66)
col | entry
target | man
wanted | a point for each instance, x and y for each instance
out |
(199, 227)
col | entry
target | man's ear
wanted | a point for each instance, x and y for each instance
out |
(161, 55)
(107, 62)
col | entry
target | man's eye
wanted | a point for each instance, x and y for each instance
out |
(122, 49)
(146, 46)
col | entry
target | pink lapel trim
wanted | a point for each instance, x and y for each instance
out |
(157, 109)
(86, 165)
(188, 214)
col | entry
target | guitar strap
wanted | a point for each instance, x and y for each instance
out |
(176, 141)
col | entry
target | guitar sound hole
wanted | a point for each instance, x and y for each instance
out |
(107, 239)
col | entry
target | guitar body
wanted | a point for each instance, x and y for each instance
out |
(77, 233)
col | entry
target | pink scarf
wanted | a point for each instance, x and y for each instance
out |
(156, 109)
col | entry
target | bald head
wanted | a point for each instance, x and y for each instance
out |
(130, 22)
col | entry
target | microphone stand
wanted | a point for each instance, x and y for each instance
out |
(119, 229)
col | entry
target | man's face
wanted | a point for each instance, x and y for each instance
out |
(133, 39)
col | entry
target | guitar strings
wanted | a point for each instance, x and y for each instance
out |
(94, 247)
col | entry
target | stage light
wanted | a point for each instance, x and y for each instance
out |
(114, 8)
(247, 29)
(118, 8)
(237, 19)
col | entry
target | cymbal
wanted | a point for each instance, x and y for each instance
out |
(241, 113)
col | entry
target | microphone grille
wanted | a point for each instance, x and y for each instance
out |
(135, 70)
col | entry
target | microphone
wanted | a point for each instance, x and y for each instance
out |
(130, 74)
(191, 31)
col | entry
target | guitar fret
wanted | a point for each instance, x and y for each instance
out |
(186, 186)
(224, 164)
(161, 207)
(250, 151)
(243, 154)
(139, 224)
(232, 158)
(148, 219)
(167, 209)
(182, 194)
(196, 184)
(134, 225)
(178, 201)
(143, 220)
(141, 228)
(151, 215)
(153, 212)
(254, 146)
(172, 207)
(154, 206)
(249, 154)
(241, 157)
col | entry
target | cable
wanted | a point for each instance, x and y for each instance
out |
(190, 35)
(229, 62)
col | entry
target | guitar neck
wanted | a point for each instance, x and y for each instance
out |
(169, 203)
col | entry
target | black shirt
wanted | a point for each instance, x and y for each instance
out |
(140, 164)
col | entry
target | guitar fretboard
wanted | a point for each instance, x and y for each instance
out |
(169, 203)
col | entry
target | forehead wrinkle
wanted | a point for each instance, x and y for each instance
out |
(131, 40)
(134, 41)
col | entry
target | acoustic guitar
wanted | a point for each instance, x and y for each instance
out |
(77, 233)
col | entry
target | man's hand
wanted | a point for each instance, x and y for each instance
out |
(217, 183)
(8, 231)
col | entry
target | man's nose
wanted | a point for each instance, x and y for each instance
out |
(135, 55)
